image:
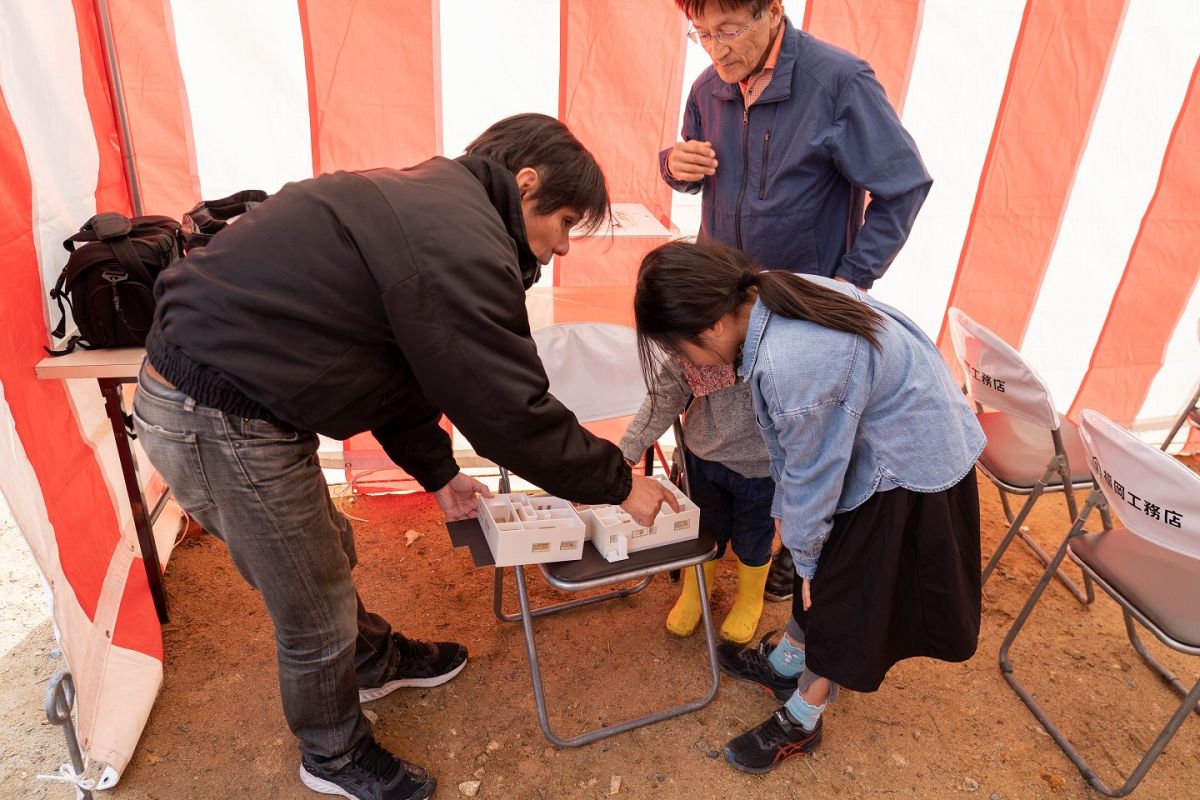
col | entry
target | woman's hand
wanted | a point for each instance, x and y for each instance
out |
(806, 593)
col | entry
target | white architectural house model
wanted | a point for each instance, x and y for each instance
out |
(524, 529)
(521, 529)
(614, 533)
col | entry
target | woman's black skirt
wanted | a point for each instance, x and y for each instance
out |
(898, 577)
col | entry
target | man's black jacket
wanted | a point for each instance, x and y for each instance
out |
(376, 301)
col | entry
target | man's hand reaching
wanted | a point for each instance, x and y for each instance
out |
(646, 498)
(457, 498)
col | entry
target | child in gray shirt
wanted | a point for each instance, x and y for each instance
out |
(729, 478)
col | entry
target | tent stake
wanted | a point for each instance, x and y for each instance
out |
(60, 697)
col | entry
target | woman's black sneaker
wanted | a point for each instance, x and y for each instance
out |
(421, 665)
(764, 748)
(781, 578)
(752, 664)
(372, 774)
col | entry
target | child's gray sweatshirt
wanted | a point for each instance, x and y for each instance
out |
(718, 427)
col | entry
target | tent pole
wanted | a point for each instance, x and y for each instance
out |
(118, 91)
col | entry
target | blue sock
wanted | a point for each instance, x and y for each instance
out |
(787, 659)
(801, 713)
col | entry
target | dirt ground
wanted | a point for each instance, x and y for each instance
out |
(934, 730)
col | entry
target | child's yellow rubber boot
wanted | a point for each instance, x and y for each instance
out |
(685, 616)
(739, 626)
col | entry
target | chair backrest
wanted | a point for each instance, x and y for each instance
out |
(593, 368)
(1156, 497)
(997, 376)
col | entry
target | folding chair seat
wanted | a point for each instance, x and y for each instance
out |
(1150, 567)
(594, 371)
(1031, 450)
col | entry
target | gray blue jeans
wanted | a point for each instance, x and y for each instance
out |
(259, 488)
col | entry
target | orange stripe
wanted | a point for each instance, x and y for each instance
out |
(881, 32)
(374, 100)
(77, 501)
(112, 192)
(1192, 445)
(137, 625)
(1159, 277)
(156, 104)
(314, 119)
(373, 80)
(621, 98)
(1058, 70)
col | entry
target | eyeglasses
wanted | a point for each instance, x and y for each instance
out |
(724, 37)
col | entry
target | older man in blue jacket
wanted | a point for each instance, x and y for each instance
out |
(783, 136)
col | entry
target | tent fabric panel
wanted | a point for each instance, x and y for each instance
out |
(48, 196)
(259, 136)
(883, 33)
(137, 627)
(123, 705)
(156, 105)
(498, 59)
(373, 83)
(959, 73)
(115, 687)
(1115, 184)
(378, 475)
(112, 191)
(609, 260)
(1158, 280)
(359, 121)
(55, 485)
(1058, 69)
(1179, 377)
(621, 99)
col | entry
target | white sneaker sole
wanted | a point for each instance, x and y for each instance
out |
(375, 693)
(321, 785)
(325, 787)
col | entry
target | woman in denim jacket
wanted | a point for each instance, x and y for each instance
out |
(872, 450)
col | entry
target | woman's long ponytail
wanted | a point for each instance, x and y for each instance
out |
(683, 288)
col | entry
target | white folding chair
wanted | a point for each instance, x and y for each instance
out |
(593, 370)
(1190, 413)
(1150, 567)
(1031, 450)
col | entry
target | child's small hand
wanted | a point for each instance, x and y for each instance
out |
(806, 593)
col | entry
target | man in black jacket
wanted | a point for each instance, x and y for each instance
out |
(374, 300)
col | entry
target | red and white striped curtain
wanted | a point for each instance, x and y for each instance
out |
(1063, 137)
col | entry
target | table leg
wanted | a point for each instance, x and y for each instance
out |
(115, 406)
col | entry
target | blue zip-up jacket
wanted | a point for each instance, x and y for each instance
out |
(787, 168)
(843, 420)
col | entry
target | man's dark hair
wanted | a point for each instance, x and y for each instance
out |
(694, 8)
(568, 175)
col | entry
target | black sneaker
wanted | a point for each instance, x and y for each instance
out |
(421, 665)
(372, 774)
(751, 664)
(781, 578)
(764, 748)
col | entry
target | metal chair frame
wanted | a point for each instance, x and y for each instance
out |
(1190, 413)
(1037, 408)
(1130, 613)
(1058, 464)
(644, 576)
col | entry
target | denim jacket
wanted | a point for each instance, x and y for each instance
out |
(788, 190)
(843, 420)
